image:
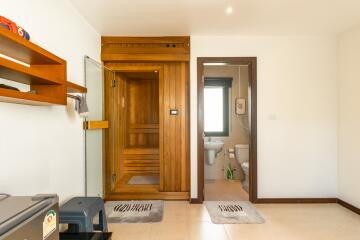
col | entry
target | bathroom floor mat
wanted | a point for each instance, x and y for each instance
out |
(134, 211)
(144, 180)
(233, 212)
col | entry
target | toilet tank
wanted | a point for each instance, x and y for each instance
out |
(242, 153)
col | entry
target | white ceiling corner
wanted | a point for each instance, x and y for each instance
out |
(208, 17)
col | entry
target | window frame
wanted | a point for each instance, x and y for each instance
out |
(226, 84)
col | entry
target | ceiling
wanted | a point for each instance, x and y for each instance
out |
(209, 17)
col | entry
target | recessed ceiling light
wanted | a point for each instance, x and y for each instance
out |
(229, 10)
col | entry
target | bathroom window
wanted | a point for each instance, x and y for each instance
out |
(216, 106)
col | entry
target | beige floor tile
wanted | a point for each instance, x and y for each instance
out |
(198, 213)
(176, 211)
(169, 231)
(300, 222)
(136, 231)
(257, 232)
(207, 231)
(223, 190)
(183, 221)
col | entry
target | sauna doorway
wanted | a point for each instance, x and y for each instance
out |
(147, 141)
(139, 130)
(135, 135)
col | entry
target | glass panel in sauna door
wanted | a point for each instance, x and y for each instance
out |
(94, 80)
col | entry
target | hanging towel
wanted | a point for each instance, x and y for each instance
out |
(81, 106)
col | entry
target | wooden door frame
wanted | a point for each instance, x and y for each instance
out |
(252, 63)
(116, 69)
(113, 196)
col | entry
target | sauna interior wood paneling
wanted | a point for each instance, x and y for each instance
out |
(133, 140)
(141, 126)
(142, 108)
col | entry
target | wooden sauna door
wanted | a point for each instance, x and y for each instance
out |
(174, 137)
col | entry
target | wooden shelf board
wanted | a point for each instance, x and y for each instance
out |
(11, 96)
(74, 88)
(16, 72)
(25, 51)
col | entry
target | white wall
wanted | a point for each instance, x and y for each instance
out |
(349, 116)
(41, 148)
(297, 111)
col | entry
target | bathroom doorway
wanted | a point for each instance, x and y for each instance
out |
(227, 160)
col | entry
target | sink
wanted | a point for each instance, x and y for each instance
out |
(212, 148)
(214, 145)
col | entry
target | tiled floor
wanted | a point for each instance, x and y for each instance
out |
(283, 222)
(222, 190)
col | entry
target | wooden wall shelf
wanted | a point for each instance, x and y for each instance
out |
(44, 72)
(74, 88)
(12, 96)
(19, 73)
(25, 51)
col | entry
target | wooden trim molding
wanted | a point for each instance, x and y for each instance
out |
(200, 129)
(295, 200)
(195, 201)
(348, 206)
(252, 63)
(145, 49)
(298, 201)
(184, 196)
(308, 200)
(123, 57)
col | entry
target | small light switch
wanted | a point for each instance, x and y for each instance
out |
(174, 112)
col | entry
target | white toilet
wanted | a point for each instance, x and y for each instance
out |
(242, 156)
